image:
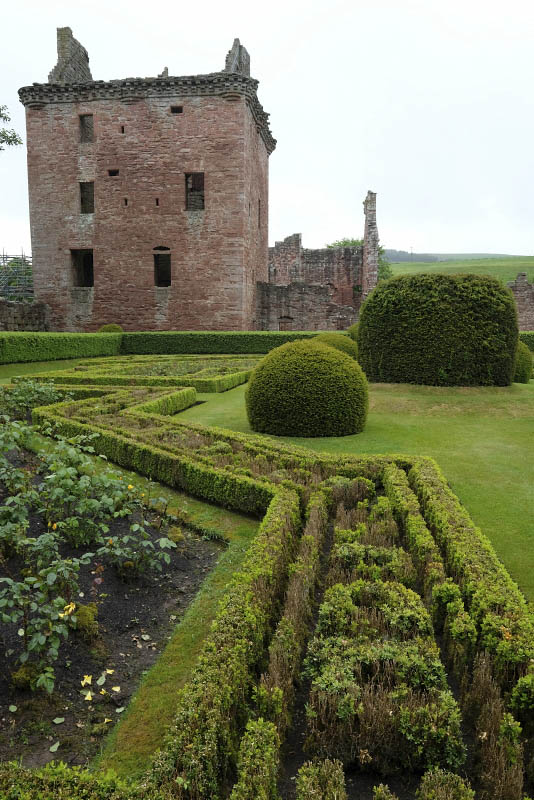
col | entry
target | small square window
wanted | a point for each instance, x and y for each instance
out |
(113, 173)
(177, 109)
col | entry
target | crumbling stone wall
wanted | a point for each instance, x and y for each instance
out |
(72, 60)
(523, 292)
(24, 316)
(302, 307)
(147, 135)
(319, 289)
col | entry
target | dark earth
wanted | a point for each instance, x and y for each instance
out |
(135, 621)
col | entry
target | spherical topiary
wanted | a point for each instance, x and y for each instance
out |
(441, 330)
(307, 389)
(112, 327)
(340, 342)
(523, 364)
(353, 331)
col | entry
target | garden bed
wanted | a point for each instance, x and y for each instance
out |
(135, 618)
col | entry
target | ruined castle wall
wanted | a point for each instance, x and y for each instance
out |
(24, 316)
(523, 292)
(301, 307)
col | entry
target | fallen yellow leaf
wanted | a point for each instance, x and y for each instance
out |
(86, 680)
(88, 696)
(115, 688)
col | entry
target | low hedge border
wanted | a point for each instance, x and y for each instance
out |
(504, 623)
(60, 782)
(200, 752)
(258, 763)
(221, 383)
(23, 346)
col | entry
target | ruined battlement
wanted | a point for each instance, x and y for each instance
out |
(71, 82)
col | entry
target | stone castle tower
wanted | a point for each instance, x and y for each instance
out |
(148, 196)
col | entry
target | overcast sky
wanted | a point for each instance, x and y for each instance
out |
(430, 103)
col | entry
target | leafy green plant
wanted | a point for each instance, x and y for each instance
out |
(18, 400)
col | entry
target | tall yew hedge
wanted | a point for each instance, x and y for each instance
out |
(441, 330)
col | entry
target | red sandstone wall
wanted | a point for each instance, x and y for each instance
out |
(216, 254)
(256, 218)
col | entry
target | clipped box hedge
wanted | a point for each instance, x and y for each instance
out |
(23, 346)
(202, 342)
(439, 330)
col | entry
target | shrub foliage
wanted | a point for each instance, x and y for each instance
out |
(441, 330)
(307, 389)
(340, 341)
(523, 364)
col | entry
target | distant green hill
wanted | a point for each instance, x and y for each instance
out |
(505, 269)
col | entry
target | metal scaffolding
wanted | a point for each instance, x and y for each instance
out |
(16, 277)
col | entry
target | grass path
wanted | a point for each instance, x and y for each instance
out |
(482, 438)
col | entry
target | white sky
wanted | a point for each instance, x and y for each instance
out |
(427, 102)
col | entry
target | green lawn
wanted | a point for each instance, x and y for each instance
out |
(482, 438)
(505, 269)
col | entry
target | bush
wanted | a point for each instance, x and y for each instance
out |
(307, 389)
(528, 338)
(523, 364)
(111, 327)
(440, 330)
(323, 780)
(353, 331)
(441, 785)
(340, 342)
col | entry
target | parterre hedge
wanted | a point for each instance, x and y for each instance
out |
(441, 330)
(465, 589)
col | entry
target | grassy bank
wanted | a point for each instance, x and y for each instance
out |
(505, 269)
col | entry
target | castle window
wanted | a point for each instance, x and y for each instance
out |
(194, 191)
(125, 201)
(162, 266)
(157, 201)
(82, 268)
(87, 198)
(87, 130)
(177, 109)
(122, 128)
(113, 173)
